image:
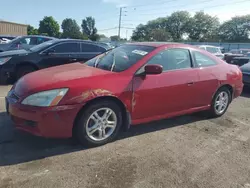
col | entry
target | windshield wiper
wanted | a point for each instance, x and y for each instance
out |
(96, 62)
(113, 64)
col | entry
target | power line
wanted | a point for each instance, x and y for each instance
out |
(160, 8)
(108, 29)
(199, 8)
(159, 3)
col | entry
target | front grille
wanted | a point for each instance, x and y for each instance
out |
(23, 122)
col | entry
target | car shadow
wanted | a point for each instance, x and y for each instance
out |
(246, 92)
(18, 147)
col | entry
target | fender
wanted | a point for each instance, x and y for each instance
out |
(95, 94)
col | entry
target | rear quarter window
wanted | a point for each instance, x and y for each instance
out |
(203, 60)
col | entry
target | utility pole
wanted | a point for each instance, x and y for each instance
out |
(120, 20)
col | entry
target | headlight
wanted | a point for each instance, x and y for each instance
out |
(45, 98)
(4, 60)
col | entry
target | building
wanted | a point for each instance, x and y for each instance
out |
(10, 28)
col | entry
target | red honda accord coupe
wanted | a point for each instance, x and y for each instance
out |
(131, 84)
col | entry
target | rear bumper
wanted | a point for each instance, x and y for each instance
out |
(52, 122)
(238, 90)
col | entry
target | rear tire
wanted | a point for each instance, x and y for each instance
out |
(23, 70)
(220, 102)
(93, 129)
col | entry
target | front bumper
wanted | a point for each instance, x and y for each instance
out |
(50, 122)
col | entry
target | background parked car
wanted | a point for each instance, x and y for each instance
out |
(107, 45)
(24, 42)
(235, 53)
(15, 64)
(6, 38)
(241, 60)
(246, 74)
(213, 50)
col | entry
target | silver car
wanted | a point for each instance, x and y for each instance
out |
(213, 50)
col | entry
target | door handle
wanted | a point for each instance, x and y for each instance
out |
(190, 83)
(73, 60)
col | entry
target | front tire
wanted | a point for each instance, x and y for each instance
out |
(99, 124)
(220, 102)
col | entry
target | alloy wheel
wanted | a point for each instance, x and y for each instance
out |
(221, 102)
(101, 124)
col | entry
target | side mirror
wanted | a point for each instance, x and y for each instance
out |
(153, 69)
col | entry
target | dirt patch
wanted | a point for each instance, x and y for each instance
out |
(119, 173)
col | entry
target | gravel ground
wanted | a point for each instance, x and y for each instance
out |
(187, 151)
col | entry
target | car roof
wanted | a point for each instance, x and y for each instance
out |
(156, 44)
(79, 40)
(42, 36)
(209, 46)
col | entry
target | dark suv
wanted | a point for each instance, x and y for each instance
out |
(24, 42)
(15, 64)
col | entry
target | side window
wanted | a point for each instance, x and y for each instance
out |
(28, 41)
(172, 59)
(67, 47)
(41, 40)
(90, 48)
(203, 60)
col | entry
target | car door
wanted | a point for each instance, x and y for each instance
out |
(208, 81)
(60, 54)
(172, 91)
(89, 51)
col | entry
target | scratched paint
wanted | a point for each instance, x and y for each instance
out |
(89, 94)
(133, 101)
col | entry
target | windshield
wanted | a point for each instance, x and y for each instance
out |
(213, 50)
(120, 58)
(42, 45)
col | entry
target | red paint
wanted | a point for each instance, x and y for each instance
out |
(147, 98)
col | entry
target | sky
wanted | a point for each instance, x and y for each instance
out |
(106, 12)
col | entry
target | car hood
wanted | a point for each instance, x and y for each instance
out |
(245, 68)
(13, 53)
(55, 77)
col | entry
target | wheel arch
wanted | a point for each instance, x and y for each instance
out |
(229, 87)
(27, 63)
(125, 113)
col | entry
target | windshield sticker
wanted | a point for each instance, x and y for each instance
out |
(140, 52)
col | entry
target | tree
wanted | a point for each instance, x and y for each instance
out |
(71, 29)
(235, 30)
(160, 35)
(50, 26)
(177, 24)
(114, 38)
(31, 30)
(202, 27)
(141, 33)
(88, 28)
